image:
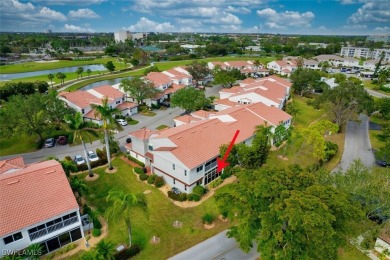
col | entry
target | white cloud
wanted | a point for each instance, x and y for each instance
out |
(48, 13)
(146, 25)
(355, 26)
(382, 29)
(238, 10)
(68, 2)
(74, 28)
(83, 13)
(283, 20)
(16, 5)
(372, 12)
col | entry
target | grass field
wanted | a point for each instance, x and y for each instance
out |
(17, 144)
(161, 215)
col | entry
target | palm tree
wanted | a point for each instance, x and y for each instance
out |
(106, 114)
(78, 187)
(105, 250)
(61, 76)
(75, 124)
(50, 77)
(80, 71)
(257, 63)
(123, 204)
(33, 251)
(89, 72)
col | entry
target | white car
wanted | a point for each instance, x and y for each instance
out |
(79, 160)
(122, 122)
(92, 156)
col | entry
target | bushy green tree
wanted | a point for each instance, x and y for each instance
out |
(138, 89)
(190, 99)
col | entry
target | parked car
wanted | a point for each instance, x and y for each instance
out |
(122, 122)
(92, 156)
(50, 142)
(78, 159)
(128, 140)
(62, 140)
(176, 190)
(165, 104)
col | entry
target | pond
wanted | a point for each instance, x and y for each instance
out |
(104, 82)
(46, 72)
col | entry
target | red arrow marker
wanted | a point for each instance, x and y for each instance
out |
(222, 162)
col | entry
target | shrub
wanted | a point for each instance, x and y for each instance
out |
(182, 196)
(226, 174)
(190, 197)
(156, 106)
(195, 197)
(143, 177)
(138, 170)
(173, 195)
(207, 218)
(159, 182)
(87, 210)
(136, 161)
(330, 150)
(128, 253)
(199, 190)
(96, 221)
(96, 232)
(152, 178)
(217, 182)
(82, 167)
(128, 119)
(68, 158)
(101, 154)
(39, 144)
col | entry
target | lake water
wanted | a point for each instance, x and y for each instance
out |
(104, 82)
(46, 72)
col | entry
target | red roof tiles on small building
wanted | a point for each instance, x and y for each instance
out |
(12, 164)
(33, 194)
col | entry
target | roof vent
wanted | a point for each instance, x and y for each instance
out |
(12, 182)
(178, 137)
(51, 171)
(193, 131)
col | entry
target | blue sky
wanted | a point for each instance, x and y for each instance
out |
(351, 17)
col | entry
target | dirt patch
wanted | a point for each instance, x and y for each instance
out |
(154, 240)
(209, 226)
(220, 217)
(147, 192)
(46, 61)
(281, 157)
(95, 177)
(114, 170)
(177, 224)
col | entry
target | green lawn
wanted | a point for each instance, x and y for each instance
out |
(351, 253)
(17, 144)
(307, 113)
(162, 214)
(162, 127)
(133, 122)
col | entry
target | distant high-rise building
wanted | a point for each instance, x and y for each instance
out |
(367, 53)
(122, 36)
(48, 31)
(379, 38)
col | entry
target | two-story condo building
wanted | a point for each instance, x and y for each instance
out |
(81, 101)
(282, 67)
(245, 67)
(271, 91)
(186, 155)
(37, 207)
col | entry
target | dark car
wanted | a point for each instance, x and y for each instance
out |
(128, 140)
(165, 104)
(62, 140)
(50, 142)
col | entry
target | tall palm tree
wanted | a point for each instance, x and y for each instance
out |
(107, 113)
(75, 124)
(79, 72)
(50, 77)
(89, 72)
(122, 205)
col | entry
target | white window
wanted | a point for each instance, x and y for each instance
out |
(199, 168)
(12, 238)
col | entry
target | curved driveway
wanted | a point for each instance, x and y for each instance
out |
(357, 144)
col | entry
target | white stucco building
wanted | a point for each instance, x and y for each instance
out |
(37, 207)
(122, 36)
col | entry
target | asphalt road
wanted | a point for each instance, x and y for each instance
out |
(218, 247)
(162, 117)
(376, 94)
(357, 144)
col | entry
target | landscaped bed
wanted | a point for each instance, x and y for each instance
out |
(162, 213)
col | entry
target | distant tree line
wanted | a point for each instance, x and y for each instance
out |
(22, 88)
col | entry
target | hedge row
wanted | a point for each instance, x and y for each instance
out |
(135, 160)
(183, 196)
(128, 253)
(158, 181)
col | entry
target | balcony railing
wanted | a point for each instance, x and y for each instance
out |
(210, 166)
(50, 229)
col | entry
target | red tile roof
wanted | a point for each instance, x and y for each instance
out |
(177, 74)
(186, 119)
(108, 91)
(33, 194)
(226, 102)
(11, 164)
(158, 78)
(82, 99)
(202, 113)
(91, 114)
(199, 142)
(126, 105)
(142, 134)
